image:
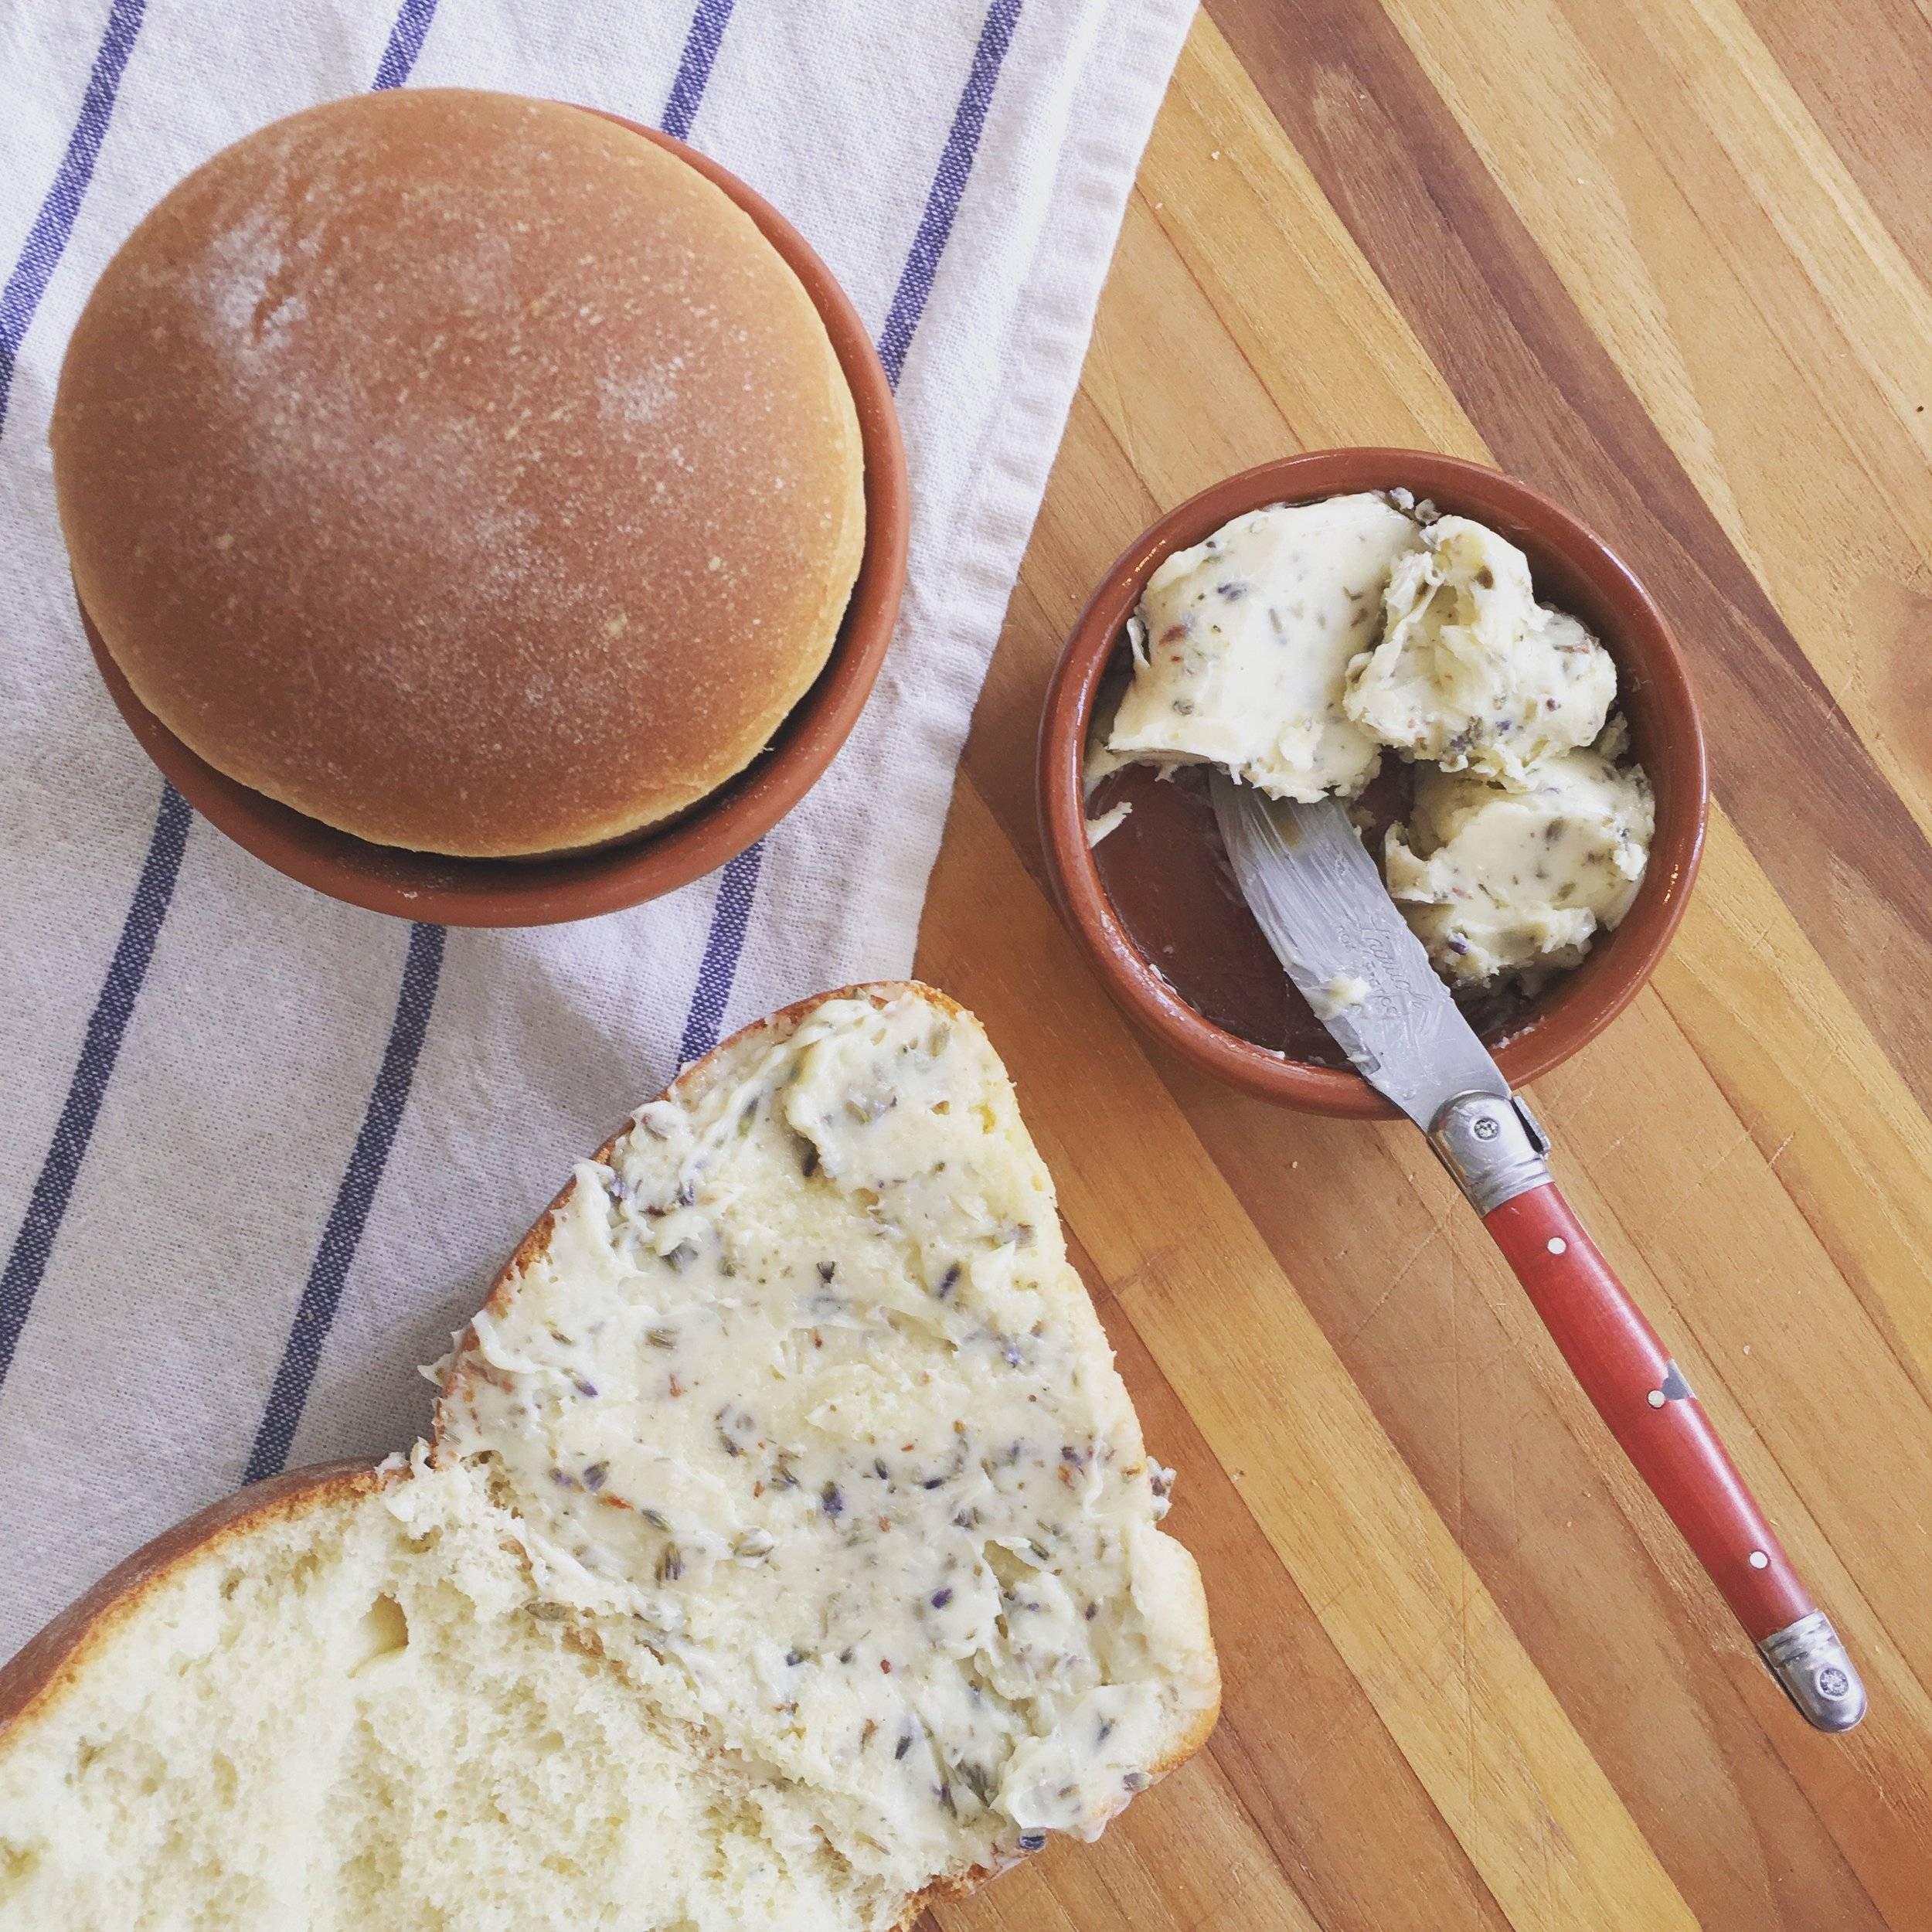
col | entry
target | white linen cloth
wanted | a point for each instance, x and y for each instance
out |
(259, 1152)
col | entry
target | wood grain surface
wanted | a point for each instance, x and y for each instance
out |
(1667, 260)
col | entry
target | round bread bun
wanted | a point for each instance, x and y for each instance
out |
(466, 471)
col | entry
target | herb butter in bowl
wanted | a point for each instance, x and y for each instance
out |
(1478, 674)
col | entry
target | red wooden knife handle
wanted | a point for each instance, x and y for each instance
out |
(1642, 1395)
(1492, 1145)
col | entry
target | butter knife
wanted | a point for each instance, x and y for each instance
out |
(1316, 894)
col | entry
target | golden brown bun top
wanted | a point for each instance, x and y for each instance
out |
(464, 471)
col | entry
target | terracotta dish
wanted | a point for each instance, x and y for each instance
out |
(1153, 904)
(610, 866)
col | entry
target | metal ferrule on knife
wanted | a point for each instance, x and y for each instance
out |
(1494, 1148)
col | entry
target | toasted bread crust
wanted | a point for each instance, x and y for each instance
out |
(42, 1673)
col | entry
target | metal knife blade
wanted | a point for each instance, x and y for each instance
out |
(1317, 895)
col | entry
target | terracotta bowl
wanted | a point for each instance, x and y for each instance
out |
(1154, 912)
(538, 892)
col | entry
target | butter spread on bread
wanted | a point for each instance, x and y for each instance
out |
(802, 1383)
(787, 1555)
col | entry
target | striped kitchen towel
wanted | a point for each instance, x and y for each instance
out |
(260, 1152)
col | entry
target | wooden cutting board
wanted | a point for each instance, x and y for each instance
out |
(1666, 260)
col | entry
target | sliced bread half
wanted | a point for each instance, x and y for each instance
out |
(786, 1554)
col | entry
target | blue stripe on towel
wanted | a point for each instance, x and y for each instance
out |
(949, 184)
(406, 35)
(99, 1048)
(701, 46)
(343, 1234)
(100, 1045)
(738, 883)
(53, 224)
